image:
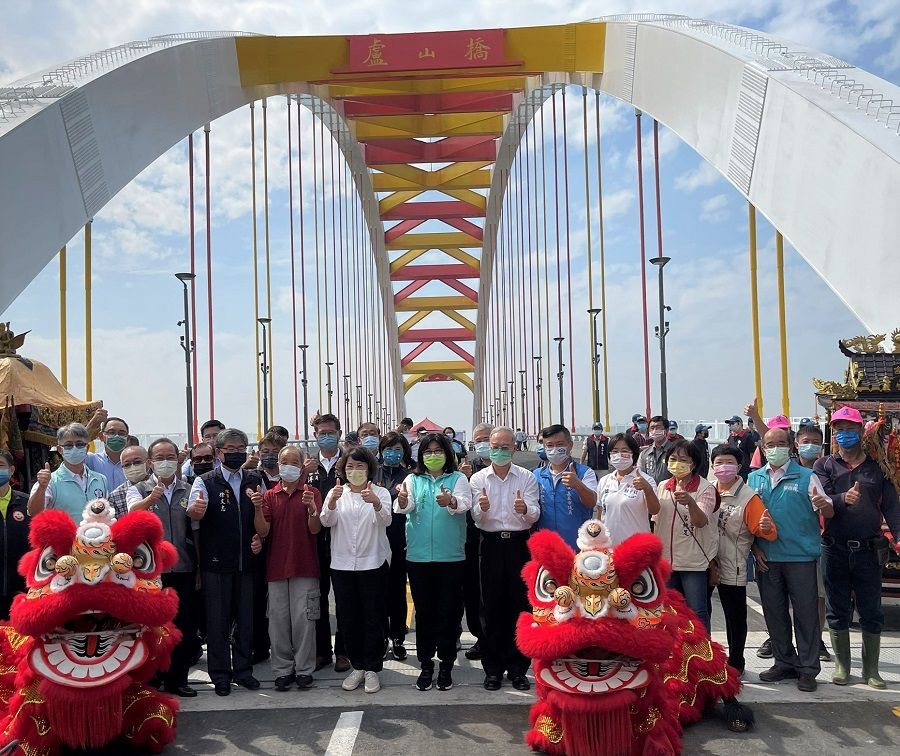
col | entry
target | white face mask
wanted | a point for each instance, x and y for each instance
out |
(165, 468)
(620, 460)
(357, 477)
(657, 435)
(135, 473)
(289, 473)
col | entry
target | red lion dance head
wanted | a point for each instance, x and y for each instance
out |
(619, 660)
(93, 628)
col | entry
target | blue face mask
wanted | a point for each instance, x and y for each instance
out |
(847, 439)
(371, 443)
(392, 457)
(483, 449)
(75, 455)
(642, 427)
(810, 451)
(541, 453)
(327, 442)
(4, 476)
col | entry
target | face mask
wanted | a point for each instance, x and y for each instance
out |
(705, 434)
(201, 468)
(541, 453)
(135, 473)
(289, 473)
(269, 461)
(642, 427)
(621, 461)
(371, 443)
(598, 430)
(777, 456)
(847, 439)
(392, 457)
(234, 460)
(679, 469)
(435, 462)
(501, 457)
(357, 477)
(115, 443)
(4, 477)
(810, 451)
(657, 435)
(449, 435)
(327, 442)
(75, 456)
(725, 472)
(557, 454)
(165, 468)
(483, 449)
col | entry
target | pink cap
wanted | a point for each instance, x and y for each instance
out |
(779, 421)
(847, 413)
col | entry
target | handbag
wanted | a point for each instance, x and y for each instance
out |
(713, 573)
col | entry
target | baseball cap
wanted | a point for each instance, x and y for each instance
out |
(779, 421)
(597, 427)
(847, 413)
(638, 417)
(673, 425)
(806, 421)
(700, 428)
(734, 419)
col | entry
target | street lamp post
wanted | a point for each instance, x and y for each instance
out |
(504, 406)
(538, 385)
(329, 391)
(662, 331)
(304, 382)
(560, 375)
(512, 403)
(188, 346)
(359, 402)
(347, 400)
(524, 412)
(264, 366)
(369, 406)
(595, 359)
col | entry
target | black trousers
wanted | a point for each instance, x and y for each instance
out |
(359, 596)
(734, 606)
(437, 593)
(323, 624)
(505, 598)
(228, 597)
(472, 582)
(184, 584)
(395, 597)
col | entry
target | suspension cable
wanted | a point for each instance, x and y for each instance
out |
(602, 263)
(568, 260)
(270, 372)
(293, 269)
(595, 403)
(193, 230)
(640, 177)
(302, 277)
(259, 417)
(209, 290)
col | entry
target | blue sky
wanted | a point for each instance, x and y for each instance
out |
(141, 238)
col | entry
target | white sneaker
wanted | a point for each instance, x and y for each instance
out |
(353, 680)
(373, 684)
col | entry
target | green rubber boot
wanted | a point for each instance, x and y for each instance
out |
(840, 643)
(871, 648)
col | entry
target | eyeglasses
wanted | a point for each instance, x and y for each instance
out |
(117, 433)
(76, 445)
(433, 454)
(234, 449)
(207, 458)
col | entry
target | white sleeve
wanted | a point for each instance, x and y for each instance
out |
(476, 484)
(132, 497)
(462, 492)
(410, 502)
(198, 488)
(532, 495)
(815, 487)
(48, 496)
(384, 496)
(590, 479)
(328, 517)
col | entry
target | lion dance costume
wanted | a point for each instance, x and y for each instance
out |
(620, 661)
(93, 628)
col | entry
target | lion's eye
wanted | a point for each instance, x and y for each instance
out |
(46, 565)
(143, 558)
(644, 587)
(545, 585)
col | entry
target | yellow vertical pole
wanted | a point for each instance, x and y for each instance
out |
(88, 345)
(782, 325)
(259, 421)
(754, 307)
(269, 351)
(602, 263)
(590, 253)
(63, 335)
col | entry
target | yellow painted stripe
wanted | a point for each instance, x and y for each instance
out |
(385, 182)
(405, 258)
(433, 241)
(410, 322)
(463, 257)
(461, 319)
(397, 198)
(429, 86)
(451, 124)
(412, 304)
(437, 366)
(411, 381)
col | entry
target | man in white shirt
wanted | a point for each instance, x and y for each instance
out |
(504, 507)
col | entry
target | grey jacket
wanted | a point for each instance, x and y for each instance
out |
(176, 524)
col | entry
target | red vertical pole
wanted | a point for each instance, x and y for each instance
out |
(209, 289)
(640, 177)
(194, 430)
(293, 271)
(302, 273)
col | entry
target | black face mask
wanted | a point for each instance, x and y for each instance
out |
(234, 460)
(201, 468)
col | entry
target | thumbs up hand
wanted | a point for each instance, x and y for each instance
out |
(444, 497)
(43, 476)
(198, 509)
(519, 504)
(752, 409)
(483, 501)
(570, 478)
(402, 496)
(336, 493)
(256, 544)
(682, 496)
(820, 501)
(639, 484)
(466, 467)
(158, 490)
(369, 496)
(309, 499)
(765, 522)
(852, 496)
(256, 496)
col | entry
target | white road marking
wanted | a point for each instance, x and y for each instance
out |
(344, 736)
(754, 606)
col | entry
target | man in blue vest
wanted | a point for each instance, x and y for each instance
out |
(73, 484)
(794, 498)
(568, 488)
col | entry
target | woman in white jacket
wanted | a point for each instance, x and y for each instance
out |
(358, 514)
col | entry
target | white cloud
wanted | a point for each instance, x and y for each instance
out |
(703, 175)
(715, 209)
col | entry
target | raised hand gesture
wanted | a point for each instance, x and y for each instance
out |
(483, 501)
(402, 495)
(368, 495)
(256, 496)
(639, 483)
(198, 509)
(158, 491)
(519, 504)
(466, 467)
(336, 492)
(444, 497)
(852, 496)
(309, 499)
(765, 522)
(43, 476)
(682, 496)
(570, 478)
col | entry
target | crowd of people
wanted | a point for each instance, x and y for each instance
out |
(265, 536)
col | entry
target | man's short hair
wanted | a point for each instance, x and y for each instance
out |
(158, 442)
(231, 434)
(556, 428)
(72, 429)
(119, 419)
(273, 438)
(806, 430)
(326, 418)
(660, 419)
(211, 424)
(204, 444)
(7, 455)
(279, 430)
(489, 427)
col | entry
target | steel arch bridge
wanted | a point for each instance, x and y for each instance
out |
(809, 140)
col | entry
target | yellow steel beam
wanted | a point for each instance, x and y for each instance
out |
(463, 257)
(467, 195)
(444, 304)
(433, 241)
(397, 198)
(408, 383)
(383, 182)
(512, 83)
(465, 380)
(405, 258)
(441, 124)
(437, 366)
(410, 322)
(461, 319)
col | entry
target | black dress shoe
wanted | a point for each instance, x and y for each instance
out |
(284, 682)
(341, 664)
(304, 681)
(765, 649)
(520, 682)
(398, 651)
(474, 653)
(492, 682)
(322, 662)
(806, 683)
(184, 691)
(777, 674)
(249, 682)
(223, 689)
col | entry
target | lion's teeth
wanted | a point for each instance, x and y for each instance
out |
(79, 672)
(66, 666)
(111, 665)
(55, 657)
